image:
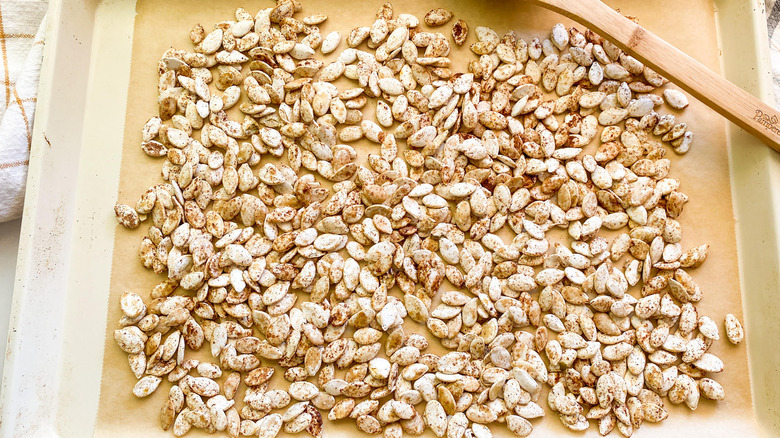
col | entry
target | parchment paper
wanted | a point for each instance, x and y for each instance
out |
(703, 172)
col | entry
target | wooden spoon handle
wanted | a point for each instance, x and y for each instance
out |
(732, 102)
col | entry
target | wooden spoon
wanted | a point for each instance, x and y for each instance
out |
(730, 101)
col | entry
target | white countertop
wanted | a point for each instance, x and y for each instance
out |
(9, 245)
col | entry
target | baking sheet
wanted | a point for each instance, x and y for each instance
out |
(708, 217)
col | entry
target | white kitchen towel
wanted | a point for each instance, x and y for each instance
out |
(22, 25)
